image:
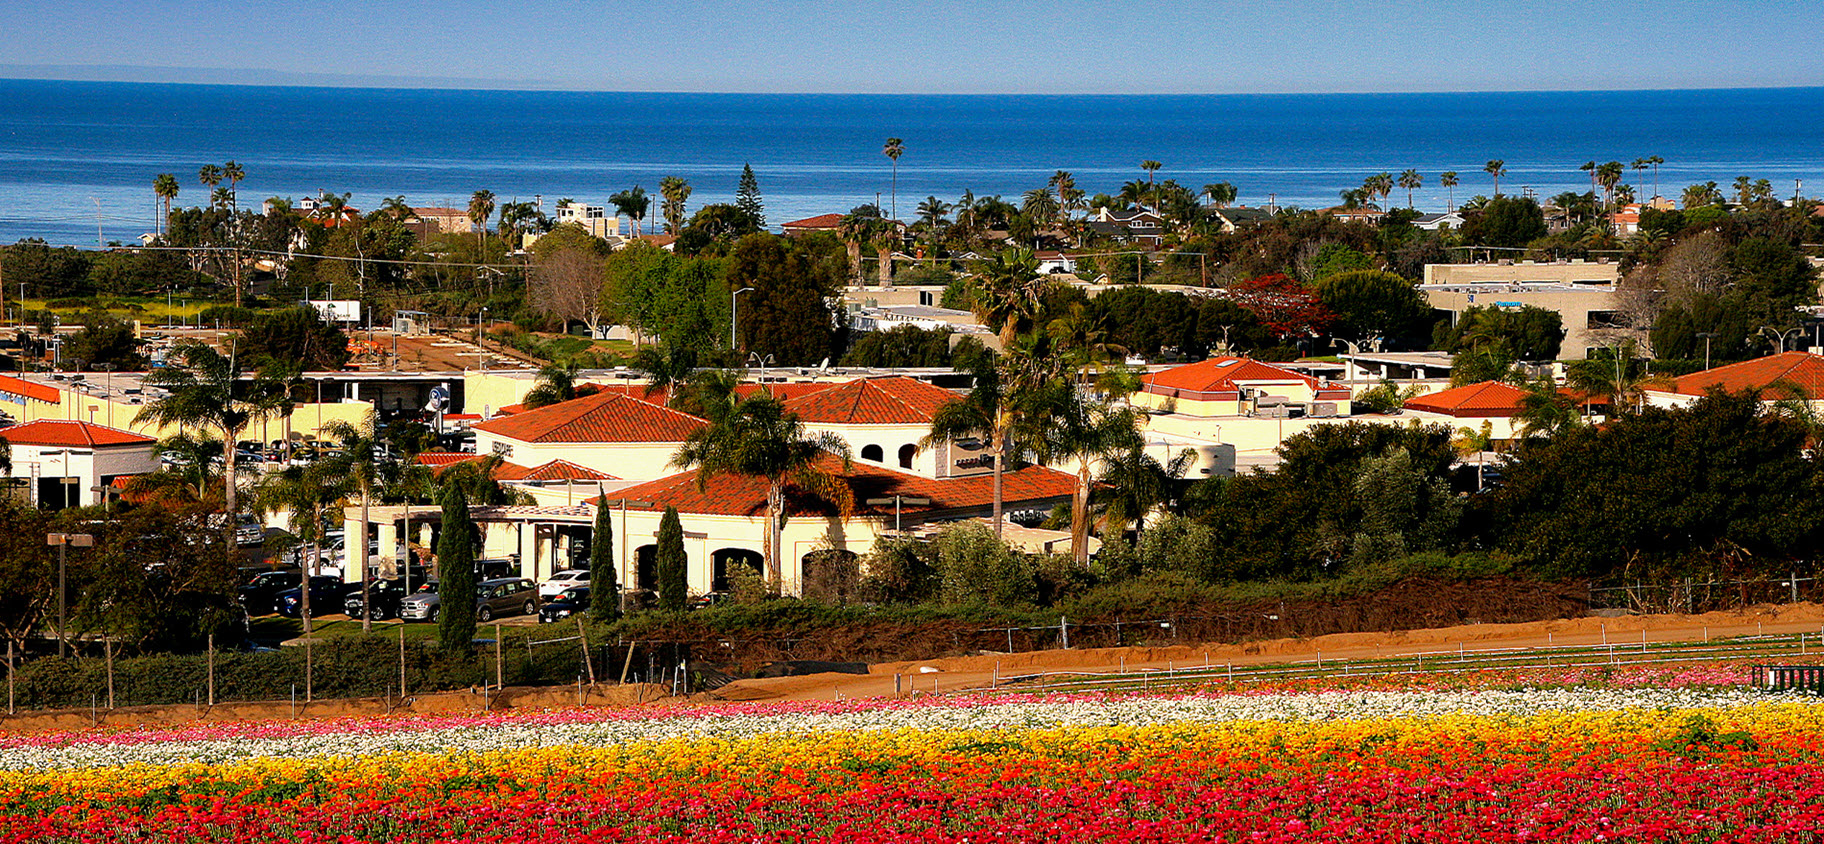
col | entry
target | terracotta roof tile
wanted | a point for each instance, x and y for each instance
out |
(556, 470)
(63, 432)
(21, 387)
(609, 416)
(740, 495)
(1487, 399)
(1800, 369)
(894, 400)
(1220, 375)
(821, 221)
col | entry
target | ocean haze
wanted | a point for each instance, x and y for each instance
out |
(66, 145)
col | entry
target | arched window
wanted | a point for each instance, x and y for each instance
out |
(873, 452)
(906, 453)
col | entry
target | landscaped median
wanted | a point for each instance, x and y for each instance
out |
(1571, 763)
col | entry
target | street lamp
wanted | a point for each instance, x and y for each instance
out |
(897, 500)
(1780, 336)
(1708, 336)
(62, 541)
(731, 315)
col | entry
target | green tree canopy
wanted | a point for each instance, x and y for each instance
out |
(1507, 222)
(791, 314)
(670, 561)
(296, 337)
(1373, 303)
(456, 574)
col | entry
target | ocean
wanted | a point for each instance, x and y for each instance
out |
(77, 159)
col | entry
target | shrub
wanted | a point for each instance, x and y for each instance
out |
(974, 566)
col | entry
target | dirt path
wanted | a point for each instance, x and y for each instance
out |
(970, 671)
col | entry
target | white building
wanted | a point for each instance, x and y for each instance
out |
(72, 464)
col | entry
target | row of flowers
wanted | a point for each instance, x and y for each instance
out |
(599, 728)
(1497, 766)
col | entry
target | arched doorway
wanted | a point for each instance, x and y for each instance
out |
(726, 560)
(873, 452)
(831, 574)
(906, 453)
(646, 571)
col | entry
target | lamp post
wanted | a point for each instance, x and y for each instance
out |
(1708, 336)
(63, 541)
(897, 500)
(626, 543)
(1780, 336)
(731, 315)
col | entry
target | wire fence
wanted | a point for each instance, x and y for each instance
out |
(1690, 595)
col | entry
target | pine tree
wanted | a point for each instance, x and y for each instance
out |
(747, 197)
(456, 574)
(604, 587)
(670, 559)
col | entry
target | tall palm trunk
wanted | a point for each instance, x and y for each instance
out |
(855, 261)
(999, 448)
(367, 593)
(316, 565)
(1079, 515)
(885, 259)
(775, 513)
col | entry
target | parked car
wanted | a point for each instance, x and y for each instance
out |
(495, 568)
(564, 604)
(326, 597)
(493, 598)
(248, 530)
(259, 595)
(380, 599)
(561, 581)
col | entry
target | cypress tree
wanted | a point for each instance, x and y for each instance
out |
(673, 588)
(747, 197)
(456, 574)
(604, 586)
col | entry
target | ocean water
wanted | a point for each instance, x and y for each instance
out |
(76, 157)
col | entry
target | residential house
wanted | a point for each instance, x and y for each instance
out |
(1786, 376)
(1238, 217)
(1234, 386)
(435, 220)
(1448, 220)
(821, 223)
(593, 219)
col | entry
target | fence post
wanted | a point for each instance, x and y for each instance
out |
(9, 676)
(1064, 631)
(898, 691)
(211, 675)
(588, 661)
(402, 662)
(107, 648)
(309, 669)
(500, 659)
(628, 665)
(1792, 580)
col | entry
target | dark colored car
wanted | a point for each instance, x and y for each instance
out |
(493, 598)
(386, 595)
(564, 604)
(260, 594)
(327, 594)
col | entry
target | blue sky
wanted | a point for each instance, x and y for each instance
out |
(939, 46)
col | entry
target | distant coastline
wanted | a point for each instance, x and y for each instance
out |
(67, 147)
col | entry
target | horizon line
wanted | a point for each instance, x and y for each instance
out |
(383, 82)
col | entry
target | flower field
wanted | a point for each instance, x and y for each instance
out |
(1697, 759)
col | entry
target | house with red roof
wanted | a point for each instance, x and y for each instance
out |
(819, 223)
(610, 432)
(70, 464)
(1788, 375)
(883, 420)
(1237, 386)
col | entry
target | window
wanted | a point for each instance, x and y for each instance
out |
(873, 452)
(906, 453)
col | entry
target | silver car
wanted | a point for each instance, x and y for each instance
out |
(493, 598)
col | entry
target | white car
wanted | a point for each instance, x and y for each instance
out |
(563, 580)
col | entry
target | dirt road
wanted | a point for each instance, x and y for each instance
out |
(974, 671)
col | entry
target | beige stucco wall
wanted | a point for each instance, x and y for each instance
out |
(305, 420)
(626, 461)
(1568, 272)
(486, 393)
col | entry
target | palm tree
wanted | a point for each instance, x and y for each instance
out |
(884, 236)
(397, 208)
(1496, 168)
(1468, 441)
(233, 173)
(1221, 194)
(1655, 161)
(208, 392)
(1010, 292)
(1448, 179)
(481, 207)
(634, 203)
(675, 192)
(554, 384)
(355, 464)
(1619, 377)
(307, 492)
(1059, 423)
(210, 175)
(1039, 205)
(188, 477)
(932, 212)
(1133, 483)
(1590, 168)
(1639, 166)
(1608, 175)
(854, 229)
(1151, 167)
(893, 150)
(1546, 410)
(980, 415)
(1411, 181)
(165, 188)
(760, 439)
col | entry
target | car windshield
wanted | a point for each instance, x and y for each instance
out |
(571, 594)
(428, 589)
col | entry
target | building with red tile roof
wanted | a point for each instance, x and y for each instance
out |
(610, 432)
(65, 461)
(1772, 378)
(1486, 400)
(20, 392)
(1236, 386)
(885, 420)
(819, 223)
